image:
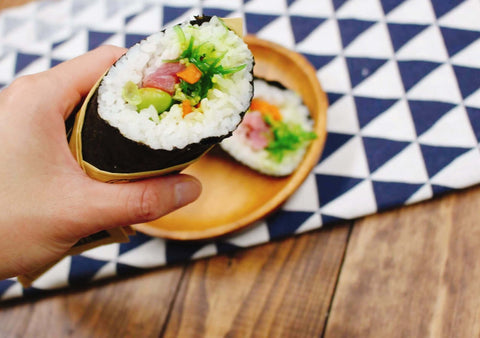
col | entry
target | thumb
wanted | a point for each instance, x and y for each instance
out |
(106, 206)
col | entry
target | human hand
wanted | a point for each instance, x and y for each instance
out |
(47, 202)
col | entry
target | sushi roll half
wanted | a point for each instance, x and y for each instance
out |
(275, 133)
(166, 102)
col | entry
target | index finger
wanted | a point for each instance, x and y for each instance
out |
(77, 76)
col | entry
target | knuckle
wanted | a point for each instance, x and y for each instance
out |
(144, 206)
(13, 96)
(21, 87)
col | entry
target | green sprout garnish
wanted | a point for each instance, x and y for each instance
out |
(207, 59)
(286, 138)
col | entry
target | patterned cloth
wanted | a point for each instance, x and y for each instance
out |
(402, 78)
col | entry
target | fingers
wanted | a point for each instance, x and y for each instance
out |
(76, 77)
(107, 206)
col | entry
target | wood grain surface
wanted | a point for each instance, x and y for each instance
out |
(409, 272)
(412, 272)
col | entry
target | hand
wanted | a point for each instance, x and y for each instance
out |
(47, 203)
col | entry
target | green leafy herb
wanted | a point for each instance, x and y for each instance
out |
(180, 34)
(286, 137)
(207, 59)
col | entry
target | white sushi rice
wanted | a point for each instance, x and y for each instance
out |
(293, 111)
(221, 109)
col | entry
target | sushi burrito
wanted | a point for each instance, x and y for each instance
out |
(165, 103)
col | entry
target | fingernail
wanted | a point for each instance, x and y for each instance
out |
(187, 191)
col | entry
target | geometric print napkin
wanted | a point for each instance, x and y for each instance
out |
(403, 83)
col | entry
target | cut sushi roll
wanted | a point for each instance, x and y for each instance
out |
(165, 103)
(275, 133)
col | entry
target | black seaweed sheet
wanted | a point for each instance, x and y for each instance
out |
(104, 147)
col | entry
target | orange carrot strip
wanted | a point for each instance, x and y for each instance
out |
(190, 74)
(266, 108)
(186, 108)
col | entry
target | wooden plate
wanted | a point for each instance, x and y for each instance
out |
(233, 195)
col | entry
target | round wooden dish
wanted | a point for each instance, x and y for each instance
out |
(233, 195)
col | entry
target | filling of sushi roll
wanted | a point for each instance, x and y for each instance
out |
(275, 132)
(190, 82)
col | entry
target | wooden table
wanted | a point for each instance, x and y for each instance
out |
(410, 272)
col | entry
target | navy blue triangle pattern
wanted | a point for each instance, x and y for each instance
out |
(368, 121)
(368, 108)
(331, 220)
(54, 62)
(333, 142)
(426, 113)
(391, 194)
(223, 13)
(96, 39)
(58, 43)
(33, 292)
(5, 285)
(402, 33)
(127, 270)
(131, 39)
(318, 61)
(457, 39)
(333, 97)
(135, 242)
(225, 247)
(474, 115)
(130, 18)
(468, 79)
(255, 22)
(440, 189)
(181, 251)
(330, 187)
(361, 68)
(289, 2)
(414, 71)
(442, 7)
(173, 14)
(379, 150)
(24, 60)
(284, 223)
(389, 5)
(83, 269)
(303, 26)
(352, 28)
(438, 158)
(338, 3)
